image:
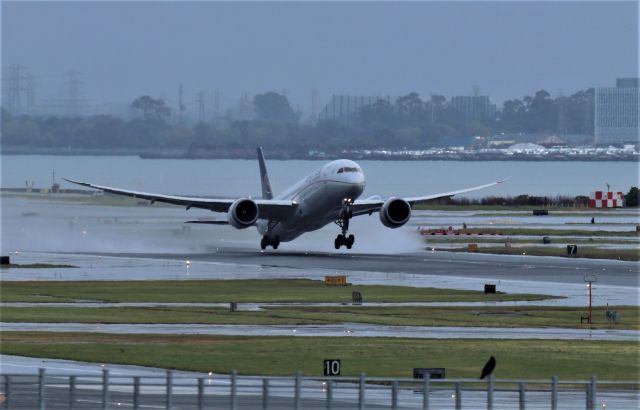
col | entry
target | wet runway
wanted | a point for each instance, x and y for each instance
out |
(334, 330)
(545, 269)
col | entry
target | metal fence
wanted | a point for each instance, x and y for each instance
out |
(186, 391)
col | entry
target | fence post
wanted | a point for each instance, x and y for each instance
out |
(233, 389)
(105, 388)
(458, 395)
(329, 393)
(169, 385)
(593, 392)
(72, 392)
(265, 393)
(490, 392)
(296, 398)
(7, 391)
(425, 392)
(136, 392)
(41, 388)
(394, 394)
(554, 393)
(200, 393)
(361, 391)
(521, 396)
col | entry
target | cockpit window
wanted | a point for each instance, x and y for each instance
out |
(348, 169)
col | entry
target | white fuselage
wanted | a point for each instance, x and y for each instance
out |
(319, 197)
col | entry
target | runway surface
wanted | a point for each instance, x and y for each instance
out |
(544, 269)
(617, 281)
(334, 330)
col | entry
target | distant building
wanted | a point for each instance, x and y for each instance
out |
(342, 107)
(473, 108)
(628, 82)
(617, 116)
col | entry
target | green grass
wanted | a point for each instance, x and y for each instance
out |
(575, 359)
(501, 240)
(277, 290)
(82, 199)
(549, 232)
(472, 207)
(583, 252)
(529, 316)
(36, 266)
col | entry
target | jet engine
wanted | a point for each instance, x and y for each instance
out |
(395, 212)
(243, 213)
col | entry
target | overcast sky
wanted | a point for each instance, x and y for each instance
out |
(508, 49)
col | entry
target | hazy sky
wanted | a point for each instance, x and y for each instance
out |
(508, 49)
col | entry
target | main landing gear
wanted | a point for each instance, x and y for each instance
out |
(343, 222)
(344, 240)
(266, 241)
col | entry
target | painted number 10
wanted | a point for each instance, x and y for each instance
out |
(332, 367)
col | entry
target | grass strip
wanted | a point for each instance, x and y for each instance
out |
(547, 232)
(268, 290)
(36, 266)
(529, 316)
(583, 252)
(438, 239)
(392, 357)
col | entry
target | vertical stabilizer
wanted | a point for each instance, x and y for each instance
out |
(264, 177)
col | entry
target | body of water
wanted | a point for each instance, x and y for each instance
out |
(241, 177)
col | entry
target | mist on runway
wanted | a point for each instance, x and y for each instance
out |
(58, 226)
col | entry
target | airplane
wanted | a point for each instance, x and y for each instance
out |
(327, 195)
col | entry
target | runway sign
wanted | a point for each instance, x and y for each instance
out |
(332, 367)
(431, 372)
(339, 280)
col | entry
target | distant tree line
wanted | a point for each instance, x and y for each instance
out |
(406, 123)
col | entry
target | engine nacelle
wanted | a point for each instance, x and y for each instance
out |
(243, 213)
(395, 212)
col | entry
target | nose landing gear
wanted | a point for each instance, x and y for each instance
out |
(343, 222)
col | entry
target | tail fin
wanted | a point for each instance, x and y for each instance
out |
(264, 177)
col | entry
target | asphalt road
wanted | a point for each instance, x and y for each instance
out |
(507, 267)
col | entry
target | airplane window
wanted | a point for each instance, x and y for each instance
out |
(348, 169)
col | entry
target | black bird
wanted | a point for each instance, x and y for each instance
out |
(488, 368)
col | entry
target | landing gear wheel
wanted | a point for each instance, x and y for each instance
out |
(339, 241)
(349, 241)
(266, 241)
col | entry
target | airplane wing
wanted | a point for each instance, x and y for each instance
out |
(373, 204)
(269, 208)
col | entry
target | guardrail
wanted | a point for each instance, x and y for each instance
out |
(115, 390)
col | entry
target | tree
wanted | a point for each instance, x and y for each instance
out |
(632, 198)
(274, 107)
(151, 108)
(410, 106)
(541, 112)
